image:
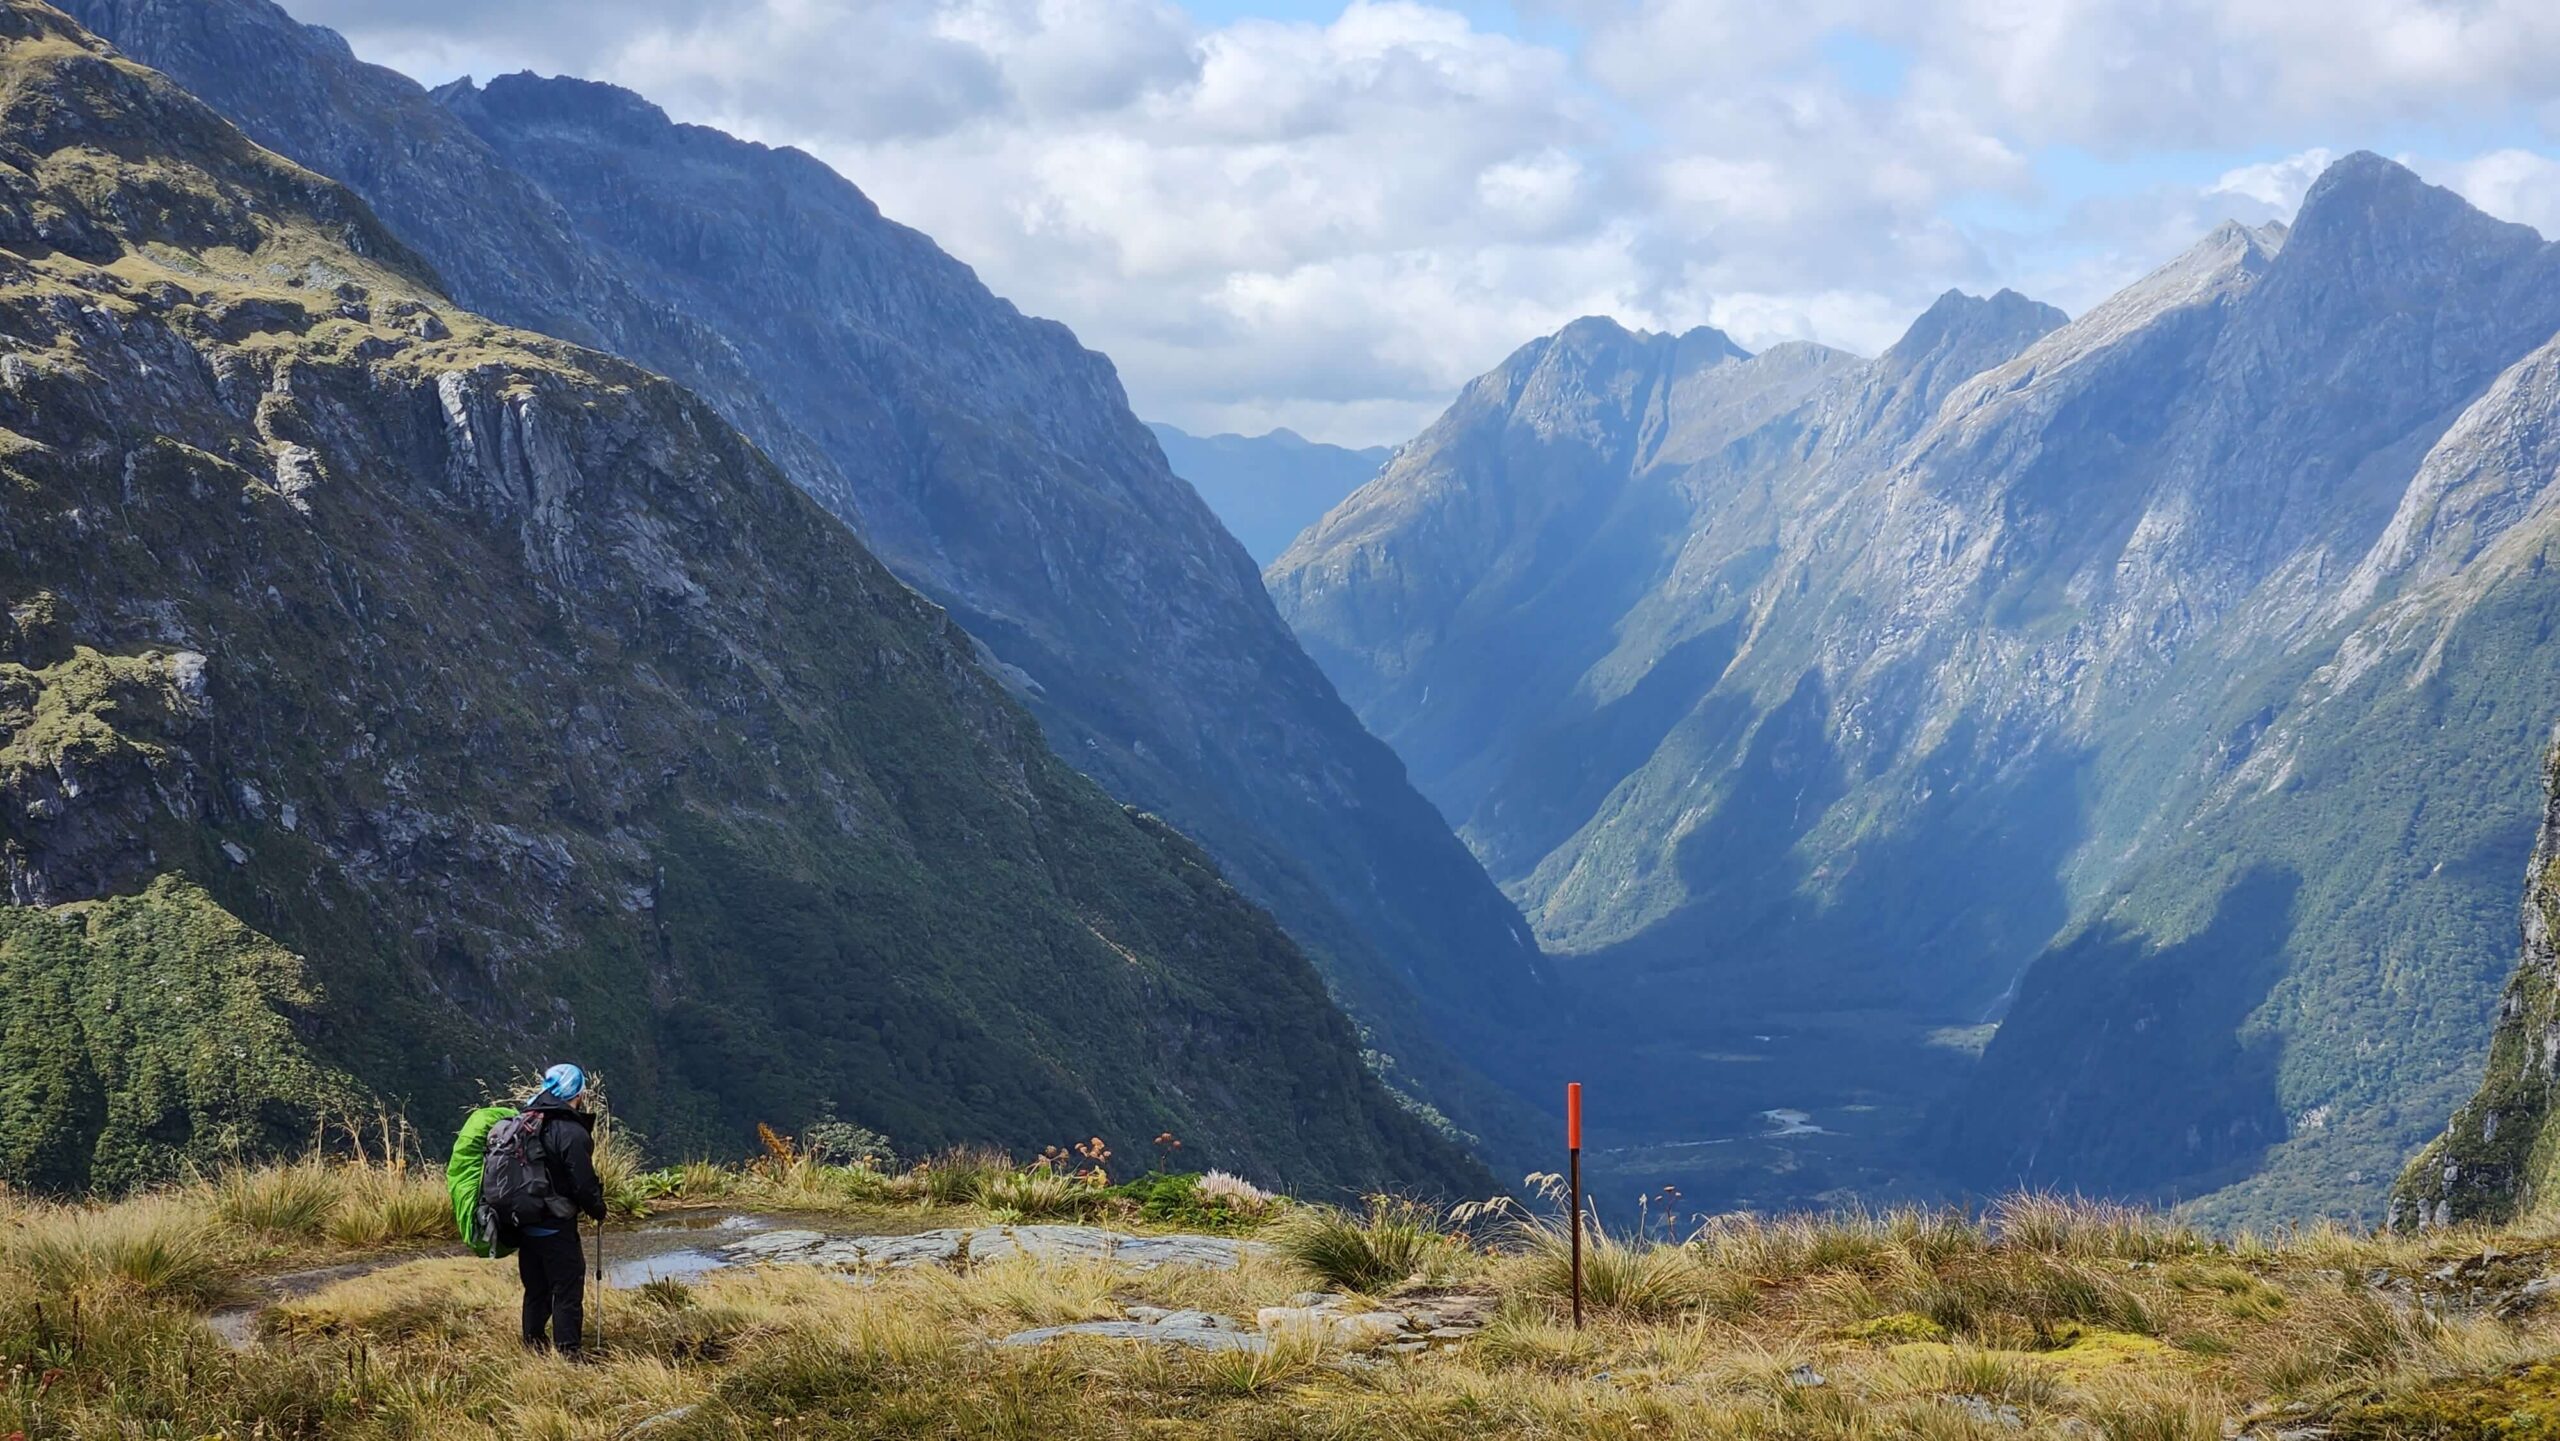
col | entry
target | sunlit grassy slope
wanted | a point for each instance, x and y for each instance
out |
(2040, 1319)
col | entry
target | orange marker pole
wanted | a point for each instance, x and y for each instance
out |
(1573, 1161)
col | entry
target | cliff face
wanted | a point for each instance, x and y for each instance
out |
(406, 699)
(2498, 1158)
(988, 458)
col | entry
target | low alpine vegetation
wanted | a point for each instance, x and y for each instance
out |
(2041, 1317)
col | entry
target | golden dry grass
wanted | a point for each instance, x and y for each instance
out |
(2043, 1319)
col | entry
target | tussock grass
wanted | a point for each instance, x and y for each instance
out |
(1621, 1277)
(1035, 1194)
(2089, 1230)
(387, 1204)
(2045, 1319)
(156, 1249)
(291, 1202)
(1533, 1340)
(1292, 1356)
(955, 1177)
(1390, 1243)
(1020, 1292)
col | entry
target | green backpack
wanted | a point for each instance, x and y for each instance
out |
(462, 1177)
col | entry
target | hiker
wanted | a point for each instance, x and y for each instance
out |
(543, 1227)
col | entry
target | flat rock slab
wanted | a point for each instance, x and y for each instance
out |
(1150, 1332)
(989, 1243)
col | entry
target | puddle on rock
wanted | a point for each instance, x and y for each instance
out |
(686, 1246)
(684, 1265)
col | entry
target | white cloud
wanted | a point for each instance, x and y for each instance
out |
(2517, 185)
(2280, 183)
(1332, 224)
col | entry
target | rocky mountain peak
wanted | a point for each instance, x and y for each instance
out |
(1706, 343)
(2366, 194)
(1957, 324)
(1593, 335)
(566, 97)
(2373, 223)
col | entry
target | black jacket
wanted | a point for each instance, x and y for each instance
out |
(569, 1141)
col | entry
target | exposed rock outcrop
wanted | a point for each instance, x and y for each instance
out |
(2499, 1157)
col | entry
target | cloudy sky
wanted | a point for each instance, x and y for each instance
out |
(1329, 216)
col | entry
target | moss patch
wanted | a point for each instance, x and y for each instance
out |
(1901, 1326)
(2511, 1405)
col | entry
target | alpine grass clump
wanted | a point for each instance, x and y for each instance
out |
(382, 1203)
(158, 1249)
(1037, 1193)
(1622, 1276)
(290, 1202)
(1233, 1192)
(1390, 1242)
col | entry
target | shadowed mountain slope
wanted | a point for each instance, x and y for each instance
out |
(390, 699)
(988, 459)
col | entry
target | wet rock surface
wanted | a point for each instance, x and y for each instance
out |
(1403, 1326)
(981, 1244)
(1191, 1330)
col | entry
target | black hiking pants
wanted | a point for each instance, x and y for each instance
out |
(554, 1269)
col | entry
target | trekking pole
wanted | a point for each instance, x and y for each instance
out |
(598, 1310)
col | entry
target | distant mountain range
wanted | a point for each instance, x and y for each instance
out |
(392, 701)
(1268, 487)
(2167, 684)
(990, 460)
(2091, 753)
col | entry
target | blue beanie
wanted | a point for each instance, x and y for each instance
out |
(563, 1082)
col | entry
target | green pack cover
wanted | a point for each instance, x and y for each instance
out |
(462, 1177)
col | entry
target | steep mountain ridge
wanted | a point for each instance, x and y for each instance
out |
(1474, 579)
(389, 699)
(991, 461)
(2118, 657)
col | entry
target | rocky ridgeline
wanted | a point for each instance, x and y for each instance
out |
(1331, 1319)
